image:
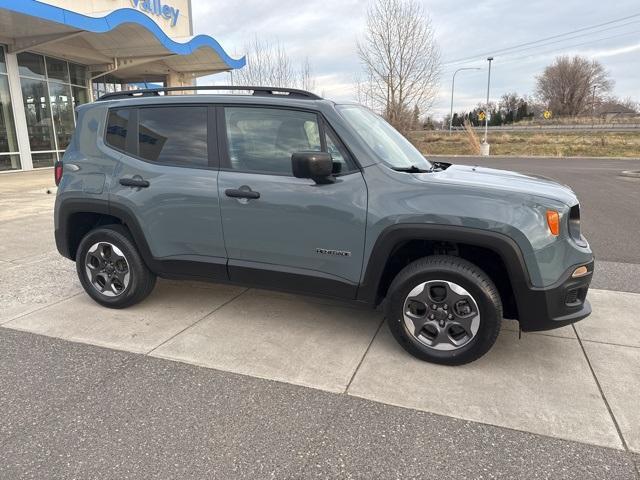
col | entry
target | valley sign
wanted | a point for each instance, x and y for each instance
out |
(155, 7)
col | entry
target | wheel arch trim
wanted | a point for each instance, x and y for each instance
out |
(395, 235)
(67, 208)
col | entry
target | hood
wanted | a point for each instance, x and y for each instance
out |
(503, 180)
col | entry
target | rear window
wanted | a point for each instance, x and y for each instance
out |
(117, 128)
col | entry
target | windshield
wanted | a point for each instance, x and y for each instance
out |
(392, 148)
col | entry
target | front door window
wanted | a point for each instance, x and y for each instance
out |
(263, 139)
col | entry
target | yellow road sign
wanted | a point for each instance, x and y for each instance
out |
(481, 116)
(547, 114)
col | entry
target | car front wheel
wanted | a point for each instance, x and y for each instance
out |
(444, 309)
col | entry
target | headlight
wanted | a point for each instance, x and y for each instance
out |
(574, 226)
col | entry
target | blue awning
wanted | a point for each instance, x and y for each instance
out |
(125, 41)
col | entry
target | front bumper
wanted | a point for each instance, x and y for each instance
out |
(558, 305)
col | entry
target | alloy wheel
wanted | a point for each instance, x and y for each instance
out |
(107, 269)
(441, 315)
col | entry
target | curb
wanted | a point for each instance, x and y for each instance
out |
(631, 173)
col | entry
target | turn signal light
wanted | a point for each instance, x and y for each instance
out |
(580, 271)
(553, 220)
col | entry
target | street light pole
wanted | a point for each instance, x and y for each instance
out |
(486, 113)
(453, 84)
(593, 106)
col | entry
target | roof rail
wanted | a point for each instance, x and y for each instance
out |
(264, 91)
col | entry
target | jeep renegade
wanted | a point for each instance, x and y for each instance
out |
(280, 189)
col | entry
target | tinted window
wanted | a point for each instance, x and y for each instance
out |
(263, 139)
(173, 135)
(117, 127)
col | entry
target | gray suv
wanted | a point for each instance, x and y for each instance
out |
(280, 189)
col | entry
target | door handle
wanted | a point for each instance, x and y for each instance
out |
(242, 192)
(134, 182)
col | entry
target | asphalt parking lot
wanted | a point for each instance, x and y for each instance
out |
(296, 387)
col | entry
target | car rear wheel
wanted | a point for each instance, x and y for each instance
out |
(444, 309)
(110, 268)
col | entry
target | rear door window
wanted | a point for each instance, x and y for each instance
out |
(175, 135)
(117, 128)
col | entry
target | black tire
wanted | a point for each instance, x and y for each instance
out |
(140, 281)
(464, 274)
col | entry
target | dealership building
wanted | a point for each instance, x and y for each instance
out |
(57, 54)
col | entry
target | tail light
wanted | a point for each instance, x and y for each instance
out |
(57, 172)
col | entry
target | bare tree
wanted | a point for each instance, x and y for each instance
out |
(364, 94)
(628, 103)
(268, 64)
(509, 102)
(572, 86)
(401, 60)
(307, 80)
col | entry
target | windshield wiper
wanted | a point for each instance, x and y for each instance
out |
(411, 169)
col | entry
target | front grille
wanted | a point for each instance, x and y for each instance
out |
(575, 296)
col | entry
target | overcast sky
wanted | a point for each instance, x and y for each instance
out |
(326, 31)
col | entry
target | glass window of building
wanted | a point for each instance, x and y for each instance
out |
(79, 95)
(41, 160)
(57, 70)
(109, 84)
(38, 112)
(78, 74)
(9, 154)
(51, 89)
(31, 65)
(62, 109)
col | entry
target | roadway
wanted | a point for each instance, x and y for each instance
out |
(587, 127)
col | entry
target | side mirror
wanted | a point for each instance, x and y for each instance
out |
(315, 165)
